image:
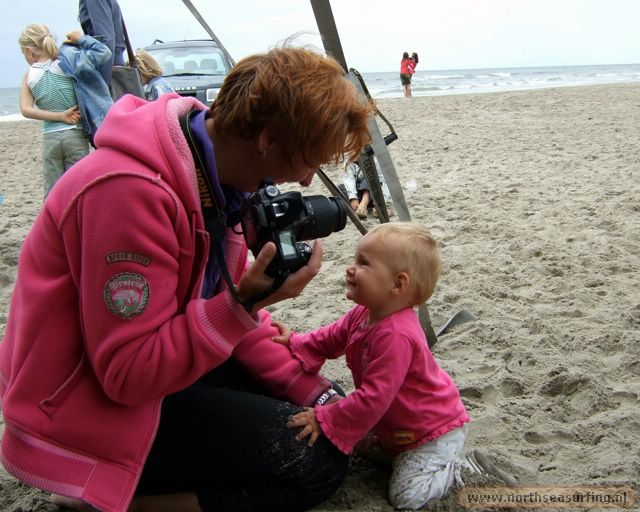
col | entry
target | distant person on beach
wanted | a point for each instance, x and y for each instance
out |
(403, 400)
(413, 62)
(102, 19)
(137, 367)
(49, 94)
(405, 74)
(155, 85)
(356, 187)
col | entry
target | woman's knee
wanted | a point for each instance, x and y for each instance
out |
(324, 473)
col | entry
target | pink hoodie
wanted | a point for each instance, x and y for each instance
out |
(106, 319)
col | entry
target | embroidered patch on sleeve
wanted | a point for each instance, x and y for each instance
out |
(404, 437)
(126, 295)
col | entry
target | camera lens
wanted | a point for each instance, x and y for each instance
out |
(326, 215)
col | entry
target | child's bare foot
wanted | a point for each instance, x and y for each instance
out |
(71, 503)
(361, 212)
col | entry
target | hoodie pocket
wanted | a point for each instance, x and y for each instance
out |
(51, 403)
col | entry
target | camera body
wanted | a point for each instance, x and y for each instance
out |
(284, 219)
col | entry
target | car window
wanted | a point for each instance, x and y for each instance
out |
(200, 60)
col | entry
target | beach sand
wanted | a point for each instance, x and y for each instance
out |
(534, 196)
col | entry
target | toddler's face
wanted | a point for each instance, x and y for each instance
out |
(370, 279)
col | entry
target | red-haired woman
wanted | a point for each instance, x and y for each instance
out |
(163, 389)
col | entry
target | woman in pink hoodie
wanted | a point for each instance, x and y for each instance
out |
(134, 371)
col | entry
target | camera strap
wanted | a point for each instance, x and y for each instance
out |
(213, 220)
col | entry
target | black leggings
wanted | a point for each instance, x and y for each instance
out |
(227, 442)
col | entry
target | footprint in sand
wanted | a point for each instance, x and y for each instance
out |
(560, 382)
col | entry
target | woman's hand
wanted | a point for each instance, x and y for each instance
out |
(255, 281)
(306, 419)
(284, 336)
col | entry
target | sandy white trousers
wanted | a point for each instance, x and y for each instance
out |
(428, 471)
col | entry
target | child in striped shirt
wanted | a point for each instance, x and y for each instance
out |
(49, 95)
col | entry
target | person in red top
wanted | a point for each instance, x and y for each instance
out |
(402, 396)
(405, 74)
(413, 62)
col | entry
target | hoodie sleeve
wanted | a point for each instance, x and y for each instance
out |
(270, 363)
(141, 340)
(274, 365)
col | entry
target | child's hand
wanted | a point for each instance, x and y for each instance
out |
(284, 336)
(71, 115)
(73, 37)
(354, 204)
(306, 419)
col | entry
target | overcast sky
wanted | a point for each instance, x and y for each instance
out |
(447, 34)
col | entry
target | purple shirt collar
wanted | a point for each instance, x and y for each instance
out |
(229, 198)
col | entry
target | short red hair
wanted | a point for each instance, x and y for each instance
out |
(305, 99)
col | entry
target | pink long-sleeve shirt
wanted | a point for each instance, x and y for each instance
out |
(401, 392)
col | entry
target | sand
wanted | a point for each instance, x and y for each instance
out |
(534, 196)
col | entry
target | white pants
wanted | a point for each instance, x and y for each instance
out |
(428, 471)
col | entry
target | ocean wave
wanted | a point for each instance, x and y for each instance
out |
(444, 77)
(427, 88)
(12, 117)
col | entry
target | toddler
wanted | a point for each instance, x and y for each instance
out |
(356, 187)
(403, 398)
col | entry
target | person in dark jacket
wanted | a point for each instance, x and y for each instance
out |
(102, 19)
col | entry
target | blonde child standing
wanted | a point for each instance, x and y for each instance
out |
(48, 94)
(63, 87)
(402, 396)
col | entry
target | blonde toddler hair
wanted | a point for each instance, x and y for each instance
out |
(415, 252)
(38, 38)
(147, 65)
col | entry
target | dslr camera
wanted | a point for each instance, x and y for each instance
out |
(285, 219)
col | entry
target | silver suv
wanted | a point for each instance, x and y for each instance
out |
(195, 67)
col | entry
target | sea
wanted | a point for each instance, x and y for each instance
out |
(450, 81)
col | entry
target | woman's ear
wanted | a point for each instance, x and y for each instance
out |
(264, 141)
